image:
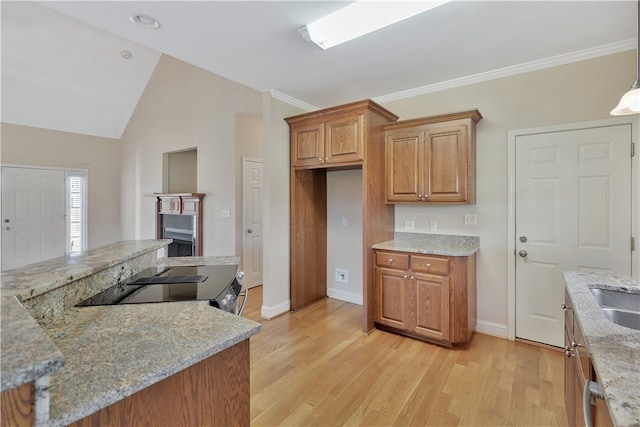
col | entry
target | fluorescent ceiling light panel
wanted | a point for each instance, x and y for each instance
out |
(360, 18)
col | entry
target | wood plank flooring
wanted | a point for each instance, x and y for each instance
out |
(315, 367)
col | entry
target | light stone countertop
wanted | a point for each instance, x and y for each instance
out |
(108, 352)
(435, 244)
(614, 349)
(115, 351)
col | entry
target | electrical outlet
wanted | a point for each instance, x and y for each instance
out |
(470, 219)
(342, 275)
(409, 225)
(344, 221)
(433, 226)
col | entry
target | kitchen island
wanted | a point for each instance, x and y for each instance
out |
(121, 361)
(613, 350)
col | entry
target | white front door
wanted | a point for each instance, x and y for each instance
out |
(252, 221)
(573, 213)
(33, 215)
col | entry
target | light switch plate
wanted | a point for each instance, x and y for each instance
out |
(409, 225)
(225, 213)
(433, 226)
(470, 219)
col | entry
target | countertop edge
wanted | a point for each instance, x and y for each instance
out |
(612, 348)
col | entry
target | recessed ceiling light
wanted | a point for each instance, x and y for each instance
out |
(146, 21)
(125, 54)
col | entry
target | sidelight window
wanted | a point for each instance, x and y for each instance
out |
(76, 211)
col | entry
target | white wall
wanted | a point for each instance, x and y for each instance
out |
(182, 107)
(344, 241)
(24, 145)
(577, 92)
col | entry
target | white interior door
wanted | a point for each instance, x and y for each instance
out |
(252, 221)
(33, 215)
(573, 213)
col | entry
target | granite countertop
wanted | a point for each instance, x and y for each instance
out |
(436, 244)
(36, 279)
(118, 350)
(614, 349)
(84, 359)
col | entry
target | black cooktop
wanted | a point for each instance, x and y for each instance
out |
(160, 284)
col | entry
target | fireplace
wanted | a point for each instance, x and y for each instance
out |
(179, 217)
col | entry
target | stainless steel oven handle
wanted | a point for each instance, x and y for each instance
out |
(590, 388)
(245, 294)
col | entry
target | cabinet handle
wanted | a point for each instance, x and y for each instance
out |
(405, 276)
(575, 344)
(564, 306)
(326, 159)
(413, 277)
(568, 352)
(390, 260)
(428, 265)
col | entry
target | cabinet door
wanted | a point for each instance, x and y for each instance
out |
(307, 145)
(404, 164)
(344, 140)
(428, 302)
(390, 297)
(569, 381)
(170, 205)
(447, 169)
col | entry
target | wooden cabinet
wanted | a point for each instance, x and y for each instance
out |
(432, 159)
(429, 297)
(17, 406)
(349, 136)
(578, 368)
(328, 141)
(179, 204)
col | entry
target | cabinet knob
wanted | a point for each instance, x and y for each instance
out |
(428, 265)
(319, 159)
(405, 276)
(413, 277)
(568, 352)
(390, 260)
(326, 159)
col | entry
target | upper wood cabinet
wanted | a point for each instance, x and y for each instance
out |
(349, 136)
(336, 139)
(432, 159)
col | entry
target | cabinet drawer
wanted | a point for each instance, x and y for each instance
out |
(430, 264)
(393, 260)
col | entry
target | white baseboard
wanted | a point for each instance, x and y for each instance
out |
(344, 296)
(271, 312)
(490, 328)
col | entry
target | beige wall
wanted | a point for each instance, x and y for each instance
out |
(276, 206)
(23, 145)
(577, 92)
(183, 107)
(249, 133)
(344, 241)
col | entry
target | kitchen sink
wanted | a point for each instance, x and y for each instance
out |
(630, 319)
(621, 308)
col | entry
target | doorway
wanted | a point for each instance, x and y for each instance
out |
(252, 178)
(33, 215)
(570, 210)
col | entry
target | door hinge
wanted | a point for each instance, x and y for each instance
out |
(633, 243)
(633, 149)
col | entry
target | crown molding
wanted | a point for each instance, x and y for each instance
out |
(292, 101)
(554, 61)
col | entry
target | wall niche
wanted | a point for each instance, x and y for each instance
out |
(180, 171)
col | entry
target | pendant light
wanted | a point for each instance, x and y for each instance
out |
(630, 101)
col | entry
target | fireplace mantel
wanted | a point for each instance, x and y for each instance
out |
(180, 204)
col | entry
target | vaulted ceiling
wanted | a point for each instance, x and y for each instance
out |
(62, 66)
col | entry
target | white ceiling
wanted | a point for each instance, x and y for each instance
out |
(65, 71)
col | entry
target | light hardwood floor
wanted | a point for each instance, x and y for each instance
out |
(315, 367)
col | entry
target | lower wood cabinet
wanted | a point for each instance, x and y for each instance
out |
(578, 368)
(428, 297)
(17, 407)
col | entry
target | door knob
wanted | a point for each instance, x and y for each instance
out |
(523, 239)
(522, 253)
(249, 230)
